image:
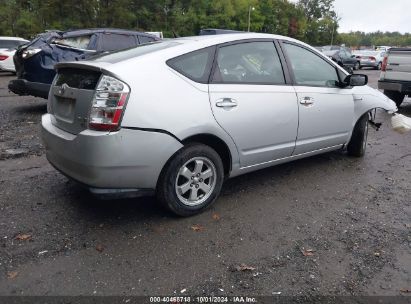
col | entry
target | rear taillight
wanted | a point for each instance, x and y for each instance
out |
(372, 58)
(384, 64)
(3, 57)
(108, 104)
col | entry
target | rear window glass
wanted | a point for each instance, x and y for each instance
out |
(140, 50)
(10, 44)
(79, 42)
(111, 42)
(195, 65)
(77, 78)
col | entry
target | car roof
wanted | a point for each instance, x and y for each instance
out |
(79, 32)
(176, 47)
(169, 48)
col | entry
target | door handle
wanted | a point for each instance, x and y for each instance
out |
(226, 103)
(307, 101)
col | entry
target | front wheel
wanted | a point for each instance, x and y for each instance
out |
(191, 180)
(358, 143)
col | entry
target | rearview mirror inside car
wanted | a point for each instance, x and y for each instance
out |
(356, 80)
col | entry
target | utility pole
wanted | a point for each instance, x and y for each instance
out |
(335, 21)
(249, 16)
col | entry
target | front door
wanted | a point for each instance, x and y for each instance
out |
(326, 110)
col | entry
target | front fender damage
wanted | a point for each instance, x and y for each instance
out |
(368, 100)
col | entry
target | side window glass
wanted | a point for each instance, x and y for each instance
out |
(145, 39)
(195, 65)
(251, 62)
(111, 42)
(79, 42)
(310, 69)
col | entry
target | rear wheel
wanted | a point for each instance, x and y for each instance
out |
(358, 143)
(379, 66)
(398, 97)
(191, 180)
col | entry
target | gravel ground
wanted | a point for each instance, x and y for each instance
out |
(326, 225)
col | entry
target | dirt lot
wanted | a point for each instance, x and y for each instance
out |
(327, 225)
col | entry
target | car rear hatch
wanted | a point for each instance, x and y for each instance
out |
(87, 96)
(71, 96)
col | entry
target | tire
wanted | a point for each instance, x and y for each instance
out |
(358, 142)
(356, 66)
(191, 180)
(398, 97)
(379, 66)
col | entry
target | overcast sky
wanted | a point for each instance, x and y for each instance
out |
(373, 15)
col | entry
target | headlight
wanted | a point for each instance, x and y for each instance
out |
(27, 53)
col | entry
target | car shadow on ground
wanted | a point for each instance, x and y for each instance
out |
(35, 109)
(143, 208)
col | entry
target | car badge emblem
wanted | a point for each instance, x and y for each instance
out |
(63, 88)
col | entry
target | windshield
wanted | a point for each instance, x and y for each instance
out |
(117, 56)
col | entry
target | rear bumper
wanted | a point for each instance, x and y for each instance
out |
(396, 86)
(7, 67)
(123, 163)
(24, 87)
(372, 64)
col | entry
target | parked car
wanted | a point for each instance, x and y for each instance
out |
(178, 117)
(382, 48)
(8, 46)
(369, 58)
(10, 43)
(343, 57)
(35, 61)
(395, 78)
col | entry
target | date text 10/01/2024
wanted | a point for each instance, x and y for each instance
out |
(203, 299)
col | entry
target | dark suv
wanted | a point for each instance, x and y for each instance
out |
(35, 61)
(342, 56)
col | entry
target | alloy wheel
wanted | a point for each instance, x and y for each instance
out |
(196, 181)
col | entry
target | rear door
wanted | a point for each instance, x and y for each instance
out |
(252, 101)
(326, 111)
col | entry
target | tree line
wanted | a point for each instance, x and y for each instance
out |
(312, 21)
(359, 39)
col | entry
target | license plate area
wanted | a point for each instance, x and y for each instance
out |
(65, 108)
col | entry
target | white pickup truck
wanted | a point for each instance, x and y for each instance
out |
(395, 77)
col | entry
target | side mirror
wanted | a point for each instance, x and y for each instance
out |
(352, 56)
(356, 80)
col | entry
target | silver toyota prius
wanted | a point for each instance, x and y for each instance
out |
(176, 118)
